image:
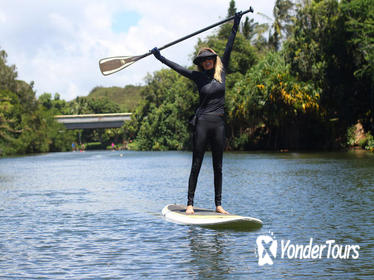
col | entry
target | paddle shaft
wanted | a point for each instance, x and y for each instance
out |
(111, 65)
(197, 32)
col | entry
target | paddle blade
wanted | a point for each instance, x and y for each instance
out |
(112, 65)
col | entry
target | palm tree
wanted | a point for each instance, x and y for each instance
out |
(283, 22)
(281, 27)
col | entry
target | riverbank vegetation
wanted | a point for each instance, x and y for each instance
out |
(304, 80)
(26, 126)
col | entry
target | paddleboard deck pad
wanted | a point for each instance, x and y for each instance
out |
(210, 219)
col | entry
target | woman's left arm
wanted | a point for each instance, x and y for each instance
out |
(230, 42)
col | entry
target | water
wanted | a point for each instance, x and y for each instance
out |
(96, 215)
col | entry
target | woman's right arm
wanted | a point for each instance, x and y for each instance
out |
(180, 69)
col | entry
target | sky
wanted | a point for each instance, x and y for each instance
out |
(58, 43)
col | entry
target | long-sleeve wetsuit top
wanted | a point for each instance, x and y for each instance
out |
(210, 90)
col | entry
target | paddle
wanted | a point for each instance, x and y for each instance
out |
(114, 64)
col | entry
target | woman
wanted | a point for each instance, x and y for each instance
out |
(210, 126)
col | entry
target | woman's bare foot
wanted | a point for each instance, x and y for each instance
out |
(189, 210)
(220, 209)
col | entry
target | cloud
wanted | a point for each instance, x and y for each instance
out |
(58, 44)
(2, 17)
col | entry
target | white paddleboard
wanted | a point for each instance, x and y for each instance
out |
(208, 218)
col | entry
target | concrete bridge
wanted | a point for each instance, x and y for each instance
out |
(93, 120)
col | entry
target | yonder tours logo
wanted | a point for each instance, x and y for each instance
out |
(268, 250)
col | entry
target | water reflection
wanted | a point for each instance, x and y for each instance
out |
(208, 253)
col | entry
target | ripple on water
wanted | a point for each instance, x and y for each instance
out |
(96, 215)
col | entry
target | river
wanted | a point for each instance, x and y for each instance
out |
(97, 215)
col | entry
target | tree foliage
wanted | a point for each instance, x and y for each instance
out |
(270, 104)
(161, 121)
(27, 125)
(283, 22)
(332, 47)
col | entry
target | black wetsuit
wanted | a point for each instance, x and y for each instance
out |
(210, 126)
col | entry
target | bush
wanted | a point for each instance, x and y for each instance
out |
(351, 136)
(370, 142)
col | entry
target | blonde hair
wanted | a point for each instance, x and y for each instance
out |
(218, 66)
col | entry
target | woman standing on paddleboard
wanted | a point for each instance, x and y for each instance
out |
(210, 125)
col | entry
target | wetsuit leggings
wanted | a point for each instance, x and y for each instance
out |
(210, 129)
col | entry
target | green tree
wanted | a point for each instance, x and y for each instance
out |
(57, 105)
(232, 9)
(27, 125)
(161, 121)
(8, 74)
(358, 16)
(269, 108)
(250, 28)
(330, 47)
(102, 106)
(283, 22)
(84, 105)
(10, 129)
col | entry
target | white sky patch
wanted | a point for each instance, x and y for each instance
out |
(2, 18)
(58, 44)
